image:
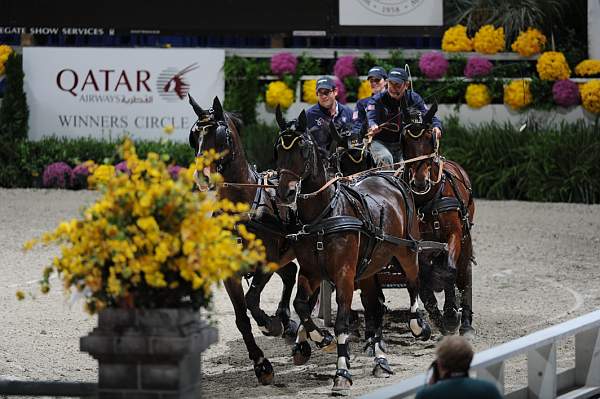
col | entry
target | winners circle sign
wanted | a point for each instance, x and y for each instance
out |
(391, 12)
(391, 7)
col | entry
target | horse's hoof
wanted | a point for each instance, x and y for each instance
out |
(301, 353)
(342, 382)
(467, 331)
(451, 321)
(419, 328)
(274, 329)
(328, 344)
(264, 372)
(290, 332)
(382, 369)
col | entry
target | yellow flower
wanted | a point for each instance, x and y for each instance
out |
(309, 91)
(278, 93)
(530, 42)
(588, 68)
(552, 65)
(477, 95)
(517, 94)
(20, 295)
(489, 40)
(101, 175)
(169, 129)
(456, 39)
(364, 90)
(590, 96)
(5, 52)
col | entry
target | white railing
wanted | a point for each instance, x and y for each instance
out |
(581, 381)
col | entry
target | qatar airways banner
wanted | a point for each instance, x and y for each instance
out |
(106, 92)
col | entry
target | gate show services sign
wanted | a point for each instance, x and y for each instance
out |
(81, 92)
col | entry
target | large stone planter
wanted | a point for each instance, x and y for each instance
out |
(149, 353)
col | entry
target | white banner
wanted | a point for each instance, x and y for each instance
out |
(106, 92)
(392, 12)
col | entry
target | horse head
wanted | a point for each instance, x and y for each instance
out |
(418, 140)
(216, 130)
(296, 156)
(347, 158)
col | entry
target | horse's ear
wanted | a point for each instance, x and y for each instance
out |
(336, 136)
(430, 113)
(218, 109)
(302, 122)
(197, 109)
(280, 119)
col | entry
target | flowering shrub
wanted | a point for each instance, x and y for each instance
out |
(517, 94)
(433, 65)
(150, 241)
(477, 95)
(590, 96)
(5, 52)
(341, 87)
(309, 91)
(364, 90)
(478, 66)
(552, 65)
(489, 40)
(530, 42)
(278, 93)
(81, 173)
(283, 63)
(456, 39)
(345, 67)
(57, 175)
(588, 68)
(565, 93)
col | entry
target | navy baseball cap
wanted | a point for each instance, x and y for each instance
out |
(398, 75)
(377, 72)
(325, 83)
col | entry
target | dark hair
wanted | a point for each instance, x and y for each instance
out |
(455, 354)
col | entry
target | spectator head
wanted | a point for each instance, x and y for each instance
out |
(454, 355)
(326, 92)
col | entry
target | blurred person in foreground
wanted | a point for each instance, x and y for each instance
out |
(450, 374)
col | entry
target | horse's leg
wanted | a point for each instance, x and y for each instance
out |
(374, 311)
(419, 328)
(464, 283)
(262, 367)
(426, 276)
(343, 295)
(303, 304)
(288, 277)
(269, 326)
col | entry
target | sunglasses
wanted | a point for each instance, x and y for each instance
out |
(324, 92)
(374, 80)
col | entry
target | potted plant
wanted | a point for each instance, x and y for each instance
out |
(144, 257)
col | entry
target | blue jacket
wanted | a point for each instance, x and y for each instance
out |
(459, 388)
(383, 108)
(319, 116)
(359, 118)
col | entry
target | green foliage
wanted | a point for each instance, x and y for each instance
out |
(541, 90)
(538, 164)
(456, 65)
(14, 112)
(242, 86)
(308, 66)
(258, 141)
(351, 83)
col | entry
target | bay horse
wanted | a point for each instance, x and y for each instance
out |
(444, 198)
(346, 235)
(219, 130)
(348, 158)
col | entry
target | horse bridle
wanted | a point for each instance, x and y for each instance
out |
(223, 138)
(308, 152)
(420, 130)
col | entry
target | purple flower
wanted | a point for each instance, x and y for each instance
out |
(80, 175)
(344, 67)
(122, 167)
(174, 171)
(283, 63)
(433, 65)
(57, 175)
(565, 93)
(478, 66)
(341, 97)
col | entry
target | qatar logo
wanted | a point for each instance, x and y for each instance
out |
(171, 84)
(391, 8)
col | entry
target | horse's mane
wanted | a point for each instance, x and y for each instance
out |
(236, 118)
